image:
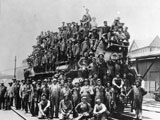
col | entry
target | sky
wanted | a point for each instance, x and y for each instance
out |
(21, 21)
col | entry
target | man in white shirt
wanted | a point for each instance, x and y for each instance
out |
(100, 111)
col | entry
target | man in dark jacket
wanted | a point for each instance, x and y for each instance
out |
(2, 95)
(16, 95)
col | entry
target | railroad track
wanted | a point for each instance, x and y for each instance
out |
(123, 116)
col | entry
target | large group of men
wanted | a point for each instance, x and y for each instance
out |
(74, 41)
(100, 82)
(60, 97)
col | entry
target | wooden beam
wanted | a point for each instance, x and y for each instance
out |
(149, 67)
(137, 65)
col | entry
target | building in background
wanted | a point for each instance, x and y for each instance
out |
(147, 61)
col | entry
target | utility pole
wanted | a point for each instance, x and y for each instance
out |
(15, 67)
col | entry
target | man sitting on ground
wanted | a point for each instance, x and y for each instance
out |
(43, 107)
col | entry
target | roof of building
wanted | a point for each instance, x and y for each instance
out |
(138, 49)
(146, 54)
(150, 42)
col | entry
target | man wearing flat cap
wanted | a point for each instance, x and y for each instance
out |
(100, 111)
(9, 96)
(43, 106)
(16, 95)
(75, 96)
(22, 93)
(34, 102)
(86, 90)
(2, 95)
(46, 89)
(99, 91)
(55, 97)
(101, 66)
(138, 93)
(65, 107)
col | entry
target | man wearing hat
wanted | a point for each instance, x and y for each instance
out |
(9, 96)
(75, 96)
(83, 63)
(86, 18)
(93, 67)
(99, 91)
(127, 35)
(34, 102)
(65, 90)
(117, 83)
(141, 80)
(27, 95)
(21, 93)
(2, 95)
(43, 106)
(138, 93)
(69, 80)
(100, 111)
(106, 29)
(109, 92)
(93, 23)
(83, 109)
(101, 66)
(86, 90)
(46, 89)
(65, 107)
(16, 95)
(55, 97)
(132, 72)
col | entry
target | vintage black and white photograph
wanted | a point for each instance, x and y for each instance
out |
(79, 59)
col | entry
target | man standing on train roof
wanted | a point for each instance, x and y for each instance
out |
(127, 35)
(93, 23)
(101, 66)
(106, 28)
(86, 18)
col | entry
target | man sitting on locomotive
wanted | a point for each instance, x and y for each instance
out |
(117, 83)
